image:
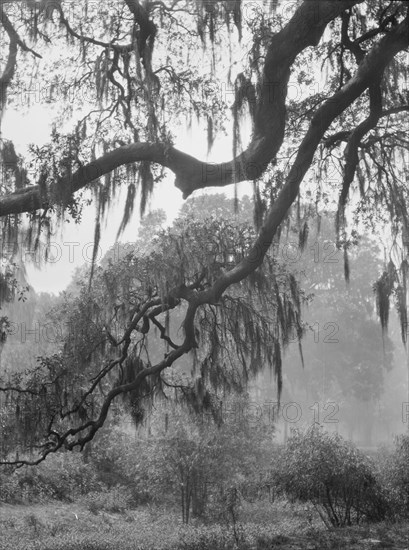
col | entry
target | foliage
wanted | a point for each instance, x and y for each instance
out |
(120, 460)
(64, 477)
(395, 476)
(218, 206)
(190, 463)
(70, 527)
(333, 475)
(116, 499)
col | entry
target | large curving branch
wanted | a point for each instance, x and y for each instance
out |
(13, 35)
(11, 63)
(78, 436)
(370, 70)
(8, 73)
(304, 29)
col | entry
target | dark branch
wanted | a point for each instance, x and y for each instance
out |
(344, 135)
(13, 35)
(107, 45)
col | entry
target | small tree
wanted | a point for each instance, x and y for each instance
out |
(205, 466)
(333, 475)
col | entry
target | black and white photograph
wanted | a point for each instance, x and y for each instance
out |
(204, 274)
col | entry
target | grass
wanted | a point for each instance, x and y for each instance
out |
(70, 526)
(57, 526)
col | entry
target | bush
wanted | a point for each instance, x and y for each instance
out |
(206, 538)
(395, 475)
(9, 487)
(333, 475)
(66, 476)
(113, 459)
(116, 499)
(62, 476)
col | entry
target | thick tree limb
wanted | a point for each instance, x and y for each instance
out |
(7, 74)
(9, 70)
(369, 70)
(304, 29)
(146, 34)
(13, 35)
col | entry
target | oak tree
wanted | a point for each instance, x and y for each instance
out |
(128, 75)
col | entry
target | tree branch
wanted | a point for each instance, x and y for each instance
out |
(108, 45)
(351, 149)
(8, 27)
(344, 135)
(147, 32)
(8, 74)
(369, 70)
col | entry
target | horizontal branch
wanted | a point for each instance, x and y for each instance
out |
(18, 390)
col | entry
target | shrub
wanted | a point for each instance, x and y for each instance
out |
(395, 475)
(333, 475)
(63, 476)
(116, 499)
(9, 487)
(113, 459)
(202, 538)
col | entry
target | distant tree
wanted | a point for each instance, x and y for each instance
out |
(219, 206)
(151, 224)
(346, 357)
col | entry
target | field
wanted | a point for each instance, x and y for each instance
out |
(57, 526)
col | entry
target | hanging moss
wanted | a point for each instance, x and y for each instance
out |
(383, 289)
(346, 264)
(303, 236)
(146, 184)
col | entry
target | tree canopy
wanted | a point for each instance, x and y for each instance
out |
(127, 77)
